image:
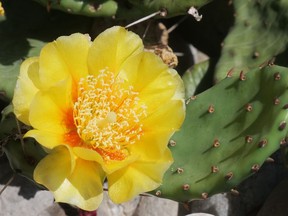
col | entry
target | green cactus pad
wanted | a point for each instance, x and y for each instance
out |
(259, 33)
(229, 131)
(22, 158)
(96, 8)
(173, 8)
(24, 31)
(125, 9)
(193, 76)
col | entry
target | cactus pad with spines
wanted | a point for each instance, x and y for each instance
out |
(229, 131)
(96, 8)
(127, 9)
(259, 34)
(22, 158)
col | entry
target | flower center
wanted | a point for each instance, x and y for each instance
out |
(107, 115)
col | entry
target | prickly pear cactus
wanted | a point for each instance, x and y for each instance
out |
(259, 34)
(23, 156)
(229, 131)
(122, 9)
(106, 8)
(18, 41)
(173, 8)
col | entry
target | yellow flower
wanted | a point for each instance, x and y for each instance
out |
(2, 12)
(102, 110)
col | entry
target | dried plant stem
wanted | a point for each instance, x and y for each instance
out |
(7, 184)
(20, 136)
(160, 12)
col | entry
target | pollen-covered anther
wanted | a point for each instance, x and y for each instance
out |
(107, 115)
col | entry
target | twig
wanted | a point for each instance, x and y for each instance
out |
(7, 184)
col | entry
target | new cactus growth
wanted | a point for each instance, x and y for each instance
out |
(229, 131)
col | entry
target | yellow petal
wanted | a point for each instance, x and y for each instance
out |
(167, 117)
(66, 56)
(152, 144)
(2, 12)
(142, 69)
(112, 48)
(108, 167)
(54, 168)
(84, 187)
(50, 110)
(25, 90)
(167, 85)
(88, 154)
(46, 138)
(137, 178)
(156, 83)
